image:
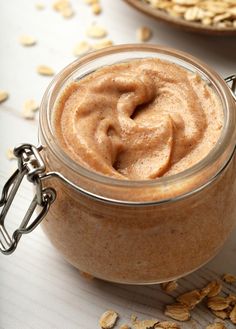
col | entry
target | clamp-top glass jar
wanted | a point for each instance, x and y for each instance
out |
(138, 232)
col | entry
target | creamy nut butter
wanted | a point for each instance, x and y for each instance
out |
(139, 120)
(145, 136)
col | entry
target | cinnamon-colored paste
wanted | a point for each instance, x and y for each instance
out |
(138, 120)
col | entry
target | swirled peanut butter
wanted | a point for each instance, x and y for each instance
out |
(138, 120)
(142, 119)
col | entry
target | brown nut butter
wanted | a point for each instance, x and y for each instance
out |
(139, 120)
(140, 133)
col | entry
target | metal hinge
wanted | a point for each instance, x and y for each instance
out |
(30, 165)
(231, 81)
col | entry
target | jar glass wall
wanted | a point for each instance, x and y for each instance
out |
(140, 231)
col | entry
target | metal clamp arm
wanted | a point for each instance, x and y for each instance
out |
(231, 81)
(30, 165)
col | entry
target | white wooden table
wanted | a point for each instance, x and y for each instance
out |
(38, 289)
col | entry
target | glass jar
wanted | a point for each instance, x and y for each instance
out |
(139, 232)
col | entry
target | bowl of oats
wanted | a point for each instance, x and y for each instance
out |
(216, 17)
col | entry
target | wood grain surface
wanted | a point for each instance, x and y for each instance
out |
(38, 289)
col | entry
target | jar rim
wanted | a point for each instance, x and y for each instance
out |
(225, 141)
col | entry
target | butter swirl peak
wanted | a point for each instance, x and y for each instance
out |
(138, 120)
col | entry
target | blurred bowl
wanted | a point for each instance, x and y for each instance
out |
(180, 22)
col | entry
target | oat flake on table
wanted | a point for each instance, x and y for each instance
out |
(45, 70)
(169, 286)
(96, 31)
(3, 96)
(229, 278)
(177, 312)
(40, 6)
(29, 109)
(96, 9)
(82, 48)
(27, 40)
(108, 319)
(144, 34)
(102, 44)
(10, 154)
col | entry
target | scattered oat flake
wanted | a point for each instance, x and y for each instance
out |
(168, 325)
(96, 8)
(216, 325)
(232, 315)
(27, 40)
(82, 48)
(39, 6)
(229, 278)
(91, 2)
(190, 299)
(64, 7)
(3, 96)
(146, 324)
(124, 326)
(144, 33)
(223, 315)
(169, 286)
(218, 303)
(102, 44)
(45, 70)
(67, 12)
(108, 319)
(29, 109)
(232, 299)
(31, 105)
(177, 312)
(10, 154)
(29, 115)
(133, 318)
(60, 5)
(96, 31)
(212, 289)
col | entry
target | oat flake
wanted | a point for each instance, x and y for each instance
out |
(108, 319)
(177, 312)
(96, 31)
(169, 286)
(229, 278)
(82, 48)
(10, 154)
(29, 109)
(144, 34)
(3, 96)
(27, 40)
(102, 44)
(45, 70)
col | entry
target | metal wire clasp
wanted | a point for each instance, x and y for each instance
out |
(231, 81)
(31, 165)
